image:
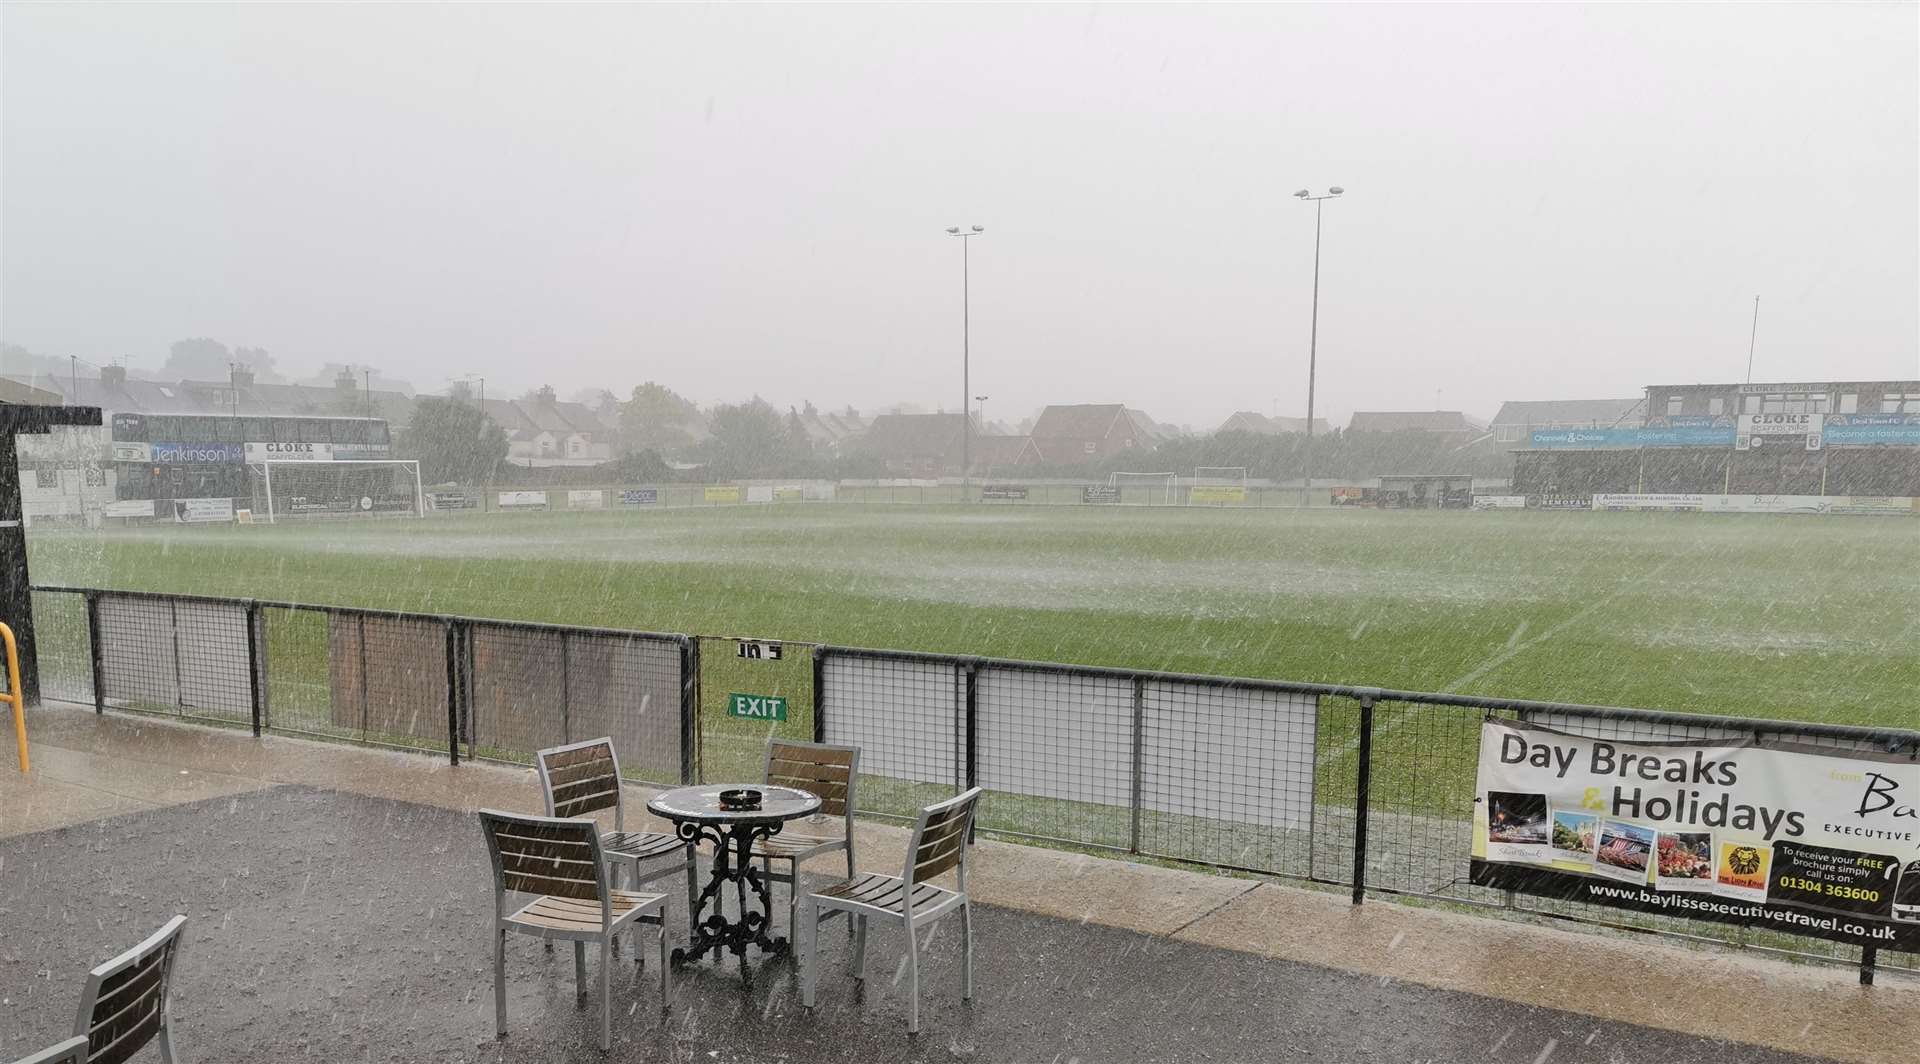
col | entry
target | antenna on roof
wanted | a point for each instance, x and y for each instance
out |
(1752, 336)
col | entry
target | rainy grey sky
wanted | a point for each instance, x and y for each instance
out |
(1544, 201)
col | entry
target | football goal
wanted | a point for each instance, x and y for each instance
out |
(384, 487)
(1218, 486)
(1148, 489)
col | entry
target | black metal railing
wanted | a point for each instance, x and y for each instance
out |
(1366, 789)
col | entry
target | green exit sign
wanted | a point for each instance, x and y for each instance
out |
(757, 707)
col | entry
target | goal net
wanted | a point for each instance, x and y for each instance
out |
(1218, 486)
(1144, 489)
(344, 488)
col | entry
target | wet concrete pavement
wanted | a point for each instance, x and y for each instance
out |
(341, 927)
(1339, 981)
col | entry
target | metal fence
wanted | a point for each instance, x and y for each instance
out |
(1360, 788)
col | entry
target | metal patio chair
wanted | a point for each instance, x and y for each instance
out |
(71, 1051)
(124, 1004)
(939, 844)
(561, 861)
(582, 778)
(827, 772)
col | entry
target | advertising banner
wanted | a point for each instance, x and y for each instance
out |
(1649, 502)
(128, 508)
(1895, 505)
(523, 500)
(1216, 493)
(198, 454)
(291, 452)
(760, 493)
(1499, 502)
(1004, 491)
(1752, 430)
(586, 500)
(1809, 840)
(640, 496)
(1100, 493)
(132, 452)
(723, 493)
(1865, 430)
(1628, 438)
(1560, 501)
(789, 493)
(452, 500)
(192, 510)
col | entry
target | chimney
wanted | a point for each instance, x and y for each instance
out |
(546, 394)
(113, 376)
(345, 383)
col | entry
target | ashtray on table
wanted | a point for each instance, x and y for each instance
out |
(746, 798)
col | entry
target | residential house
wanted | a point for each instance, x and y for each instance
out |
(1446, 422)
(915, 445)
(831, 433)
(1002, 455)
(1262, 425)
(1085, 432)
(544, 431)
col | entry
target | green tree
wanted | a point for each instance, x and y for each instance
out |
(656, 419)
(205, 359)
(453, 441)
(749, 439)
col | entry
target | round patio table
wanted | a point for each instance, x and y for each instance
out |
(697, 815)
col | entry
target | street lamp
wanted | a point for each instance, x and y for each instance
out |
(1313, 341)
(965, 342)
(982, 400)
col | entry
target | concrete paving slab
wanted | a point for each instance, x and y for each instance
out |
(1635, 979)
(327, 925)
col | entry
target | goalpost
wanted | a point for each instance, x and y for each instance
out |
(366, 487)
(1218, 485)
(1166, 482)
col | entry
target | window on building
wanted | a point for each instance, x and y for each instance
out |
(230, 430)
(1849, 403)
(1900, 403)
(1091, 446)
(1507, 433)
(1752, 405)
(314, 430)
(46, 476)
(1674, 405)
(1716, 405)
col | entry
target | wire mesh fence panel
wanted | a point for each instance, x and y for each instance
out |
(1054, 750)
(518, 686)
(387, 679)
(1420, 816)
(778, 702)
(176, 656)
(65, 647)
(907, 717)
(297, 696)
(1335, 795)
(1227, 775)
(628, 689)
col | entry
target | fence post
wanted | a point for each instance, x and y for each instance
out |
(971, 748)
(689, 707)
(453, 691)
(93, 652)
(1139, 759)
(819, 687)
(566, 690)
(253, 665)
(1363, 782)
(1869, 955)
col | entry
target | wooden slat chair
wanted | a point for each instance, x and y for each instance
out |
(939, 845)
(561, 861)
(827, 772)
(124, 1004)
(71, 1051)
(581, 779)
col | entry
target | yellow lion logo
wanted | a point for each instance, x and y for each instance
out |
(1744, 860)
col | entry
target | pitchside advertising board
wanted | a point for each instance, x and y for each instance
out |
(1802, 839)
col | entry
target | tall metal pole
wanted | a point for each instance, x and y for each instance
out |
(1313, 359)
(966, 356)
(1751, 337)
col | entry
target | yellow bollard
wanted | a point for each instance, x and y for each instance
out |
(13, 694)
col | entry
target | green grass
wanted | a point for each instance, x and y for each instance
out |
(1783, 617)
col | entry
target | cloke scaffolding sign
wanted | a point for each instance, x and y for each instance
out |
(1802, 839)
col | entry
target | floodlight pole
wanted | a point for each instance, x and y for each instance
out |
(1313, 342)
(966, 342)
